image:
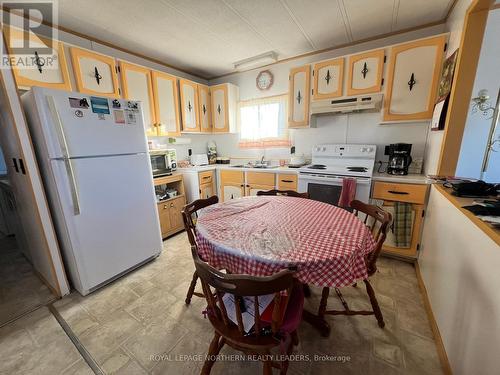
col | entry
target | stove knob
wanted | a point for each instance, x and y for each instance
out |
(323, 149)
(316, 149)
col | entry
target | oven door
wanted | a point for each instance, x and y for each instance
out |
(327, 188)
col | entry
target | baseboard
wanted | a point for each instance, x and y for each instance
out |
(443, 357)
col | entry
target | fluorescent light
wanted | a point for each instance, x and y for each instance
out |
(256, 61)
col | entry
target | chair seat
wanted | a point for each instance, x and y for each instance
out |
(291, 321)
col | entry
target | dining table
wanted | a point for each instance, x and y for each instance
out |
(260, 235)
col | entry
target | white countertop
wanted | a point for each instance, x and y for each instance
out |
(408, 179)
(233, 167)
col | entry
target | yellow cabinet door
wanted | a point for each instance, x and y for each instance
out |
(175, 210)
(220, 114)
(206, 191)
(166, 104)
(365, 72)
(299, 95)
(164, 214)
(49, 69)
(232, 191)
(94, 73)
(414, 70)
(136, 84)
(204, 110)
(189, 105)
(328, 79)
(253, 189)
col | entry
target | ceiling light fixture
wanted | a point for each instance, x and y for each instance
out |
(256, 61)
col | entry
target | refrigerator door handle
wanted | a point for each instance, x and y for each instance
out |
(64, 148)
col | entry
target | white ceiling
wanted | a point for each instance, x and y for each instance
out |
(205, 37)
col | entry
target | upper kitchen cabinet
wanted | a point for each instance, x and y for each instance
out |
(204, 108)
(166, 104)
(299, 95)
(94, 73)
(189, 106)
(49, 67)
(414, 70)
(365, 72)
(328, 78)
(224, 102)
(136, 84)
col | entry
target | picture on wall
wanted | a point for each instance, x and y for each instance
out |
(445, 83)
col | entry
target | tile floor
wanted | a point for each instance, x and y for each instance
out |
(140, 325)
(20, 289)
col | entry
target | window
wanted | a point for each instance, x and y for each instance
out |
(262, 122)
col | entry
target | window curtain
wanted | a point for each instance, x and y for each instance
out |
(263, 122)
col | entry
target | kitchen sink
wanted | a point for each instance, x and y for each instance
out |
(258, 166)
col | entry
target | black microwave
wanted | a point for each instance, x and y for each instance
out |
(160, 163)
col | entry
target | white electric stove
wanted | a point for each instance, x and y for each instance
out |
(331, 163)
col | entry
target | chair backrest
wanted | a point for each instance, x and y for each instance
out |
(216, 284)
(378, 221)
(288, 193)
(190, 214)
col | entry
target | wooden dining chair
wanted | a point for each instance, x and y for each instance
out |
(278, 331)
(189, 216)
(288, 193)
(378, 221)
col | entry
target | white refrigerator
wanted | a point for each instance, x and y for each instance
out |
(93, 156)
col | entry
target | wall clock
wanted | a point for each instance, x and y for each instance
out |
(264, 80)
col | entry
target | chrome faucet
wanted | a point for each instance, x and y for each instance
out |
(262, 160)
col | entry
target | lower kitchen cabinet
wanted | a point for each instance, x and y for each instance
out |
(170, 210)
(232, 184)
(287, 182)
(236, 184)
(414, 196)
(199, 184)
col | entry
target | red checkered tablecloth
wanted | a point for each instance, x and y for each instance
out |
(262, 235)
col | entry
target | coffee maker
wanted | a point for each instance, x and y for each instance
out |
(399, 158)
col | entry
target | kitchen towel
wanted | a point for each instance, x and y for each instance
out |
(402, 224)
(348, 192)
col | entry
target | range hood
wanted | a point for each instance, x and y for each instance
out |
(369, 102)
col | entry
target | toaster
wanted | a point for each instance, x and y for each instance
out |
(199, 159)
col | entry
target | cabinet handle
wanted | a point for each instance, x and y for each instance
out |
(97, 76)
(15, 165)
(365, 70)
(398, 192)
(328, 77)
(165, 206)
(242, 185)
(190, 107)
(219, 109)
(289, 181)
(39, 63)
(171, 205)
(412, 81)
(21, 165)
(205, 177)
(204, 109)
(299, 97)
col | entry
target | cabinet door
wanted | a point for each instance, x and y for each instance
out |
(220, 114)
(365, 72)
(189, 105)
(48, 70)
(94, 73)
(175, 211)
(328, 79)
(204, 108)
(166, 104)
(164, 213)
(136, 83)
(413, 79)
(206, 191)
(232, 192)
(298, 92)
(253, 189)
